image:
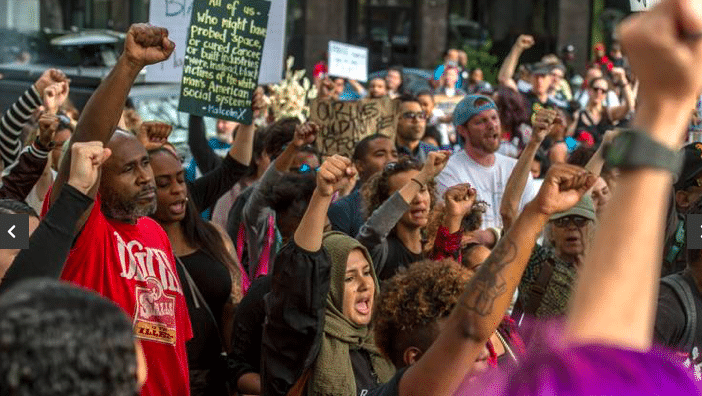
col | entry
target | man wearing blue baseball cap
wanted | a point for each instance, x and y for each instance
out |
(477, 121)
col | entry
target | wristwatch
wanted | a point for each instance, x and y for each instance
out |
(632, 149)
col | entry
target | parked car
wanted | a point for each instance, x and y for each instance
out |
(86, 58)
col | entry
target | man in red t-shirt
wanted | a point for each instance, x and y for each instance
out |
(120, 253)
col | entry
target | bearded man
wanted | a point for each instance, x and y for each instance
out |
(477, 121)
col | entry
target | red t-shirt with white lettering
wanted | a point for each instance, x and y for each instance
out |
(133, 265)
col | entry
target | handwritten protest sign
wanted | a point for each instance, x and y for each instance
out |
(642, 5)
(175, 16)
(223, 58)
(343, 124)
(348, 61)
(447, 104)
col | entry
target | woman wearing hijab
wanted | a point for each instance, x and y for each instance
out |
(317, 339)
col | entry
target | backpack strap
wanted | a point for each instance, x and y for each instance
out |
(536, 294)
(684, 292)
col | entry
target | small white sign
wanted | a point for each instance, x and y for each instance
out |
(174, 15)
(348, 61)
(642, 5)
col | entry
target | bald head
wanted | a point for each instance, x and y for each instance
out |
(127, 185)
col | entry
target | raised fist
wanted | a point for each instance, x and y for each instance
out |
(435, 163)
(334, 174)
(525, 41)
(305, 134)
(154, 134)
(49, 77)
(146, 44)
(459, 200)
(54, 96)
(86, 159)
(542, 123)
(664, 48)
(562, 188)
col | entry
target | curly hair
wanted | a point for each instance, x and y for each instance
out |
(470, 222)
(377, 189)
(59, 339)
(411, 303)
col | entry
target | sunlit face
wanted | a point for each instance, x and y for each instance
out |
(377, 88)
(571, 239)
(225, 129)
(451, 76)
(592, 74)
(394, 80)
(476, 75)
(359, 289)
(600, 195)
(7, 256)
(427, 103)
(540, 83)
(598, 91)
(127, 186)
(304, 160)
(171, 191)
(482, 132)
(418, 214)
(380, 152)
(412, 122)
(557, 76)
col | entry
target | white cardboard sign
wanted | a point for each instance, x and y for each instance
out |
(642, 5)
(348, 61)
(174, 15)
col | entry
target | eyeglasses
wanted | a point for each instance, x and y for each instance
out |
(564, 222)
(415, 116)
(599, 90)
(304, 168)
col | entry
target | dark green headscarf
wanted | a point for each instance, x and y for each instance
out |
(332, 372)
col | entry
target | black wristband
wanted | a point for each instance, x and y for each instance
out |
(632, 149)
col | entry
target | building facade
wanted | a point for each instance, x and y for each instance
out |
(413, 33)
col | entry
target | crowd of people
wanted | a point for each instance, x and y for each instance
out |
(533, 240)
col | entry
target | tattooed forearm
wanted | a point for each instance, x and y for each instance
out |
(489, 282)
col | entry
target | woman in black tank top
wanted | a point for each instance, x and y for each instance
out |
(596, 118)
(206, 266)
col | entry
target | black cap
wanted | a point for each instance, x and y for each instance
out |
(692, 166)
(541, 68)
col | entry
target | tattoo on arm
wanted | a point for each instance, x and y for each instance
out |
(489, 282)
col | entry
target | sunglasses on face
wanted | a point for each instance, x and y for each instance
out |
(564, 222)
(414, 116)
(304, 168)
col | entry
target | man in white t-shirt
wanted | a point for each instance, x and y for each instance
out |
(477, 121)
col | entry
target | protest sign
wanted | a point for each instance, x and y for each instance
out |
(447, 104)
(175, 16)
(642, 5)
(274, 47)
(223, 58)
(343, 124)
(348, 61)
